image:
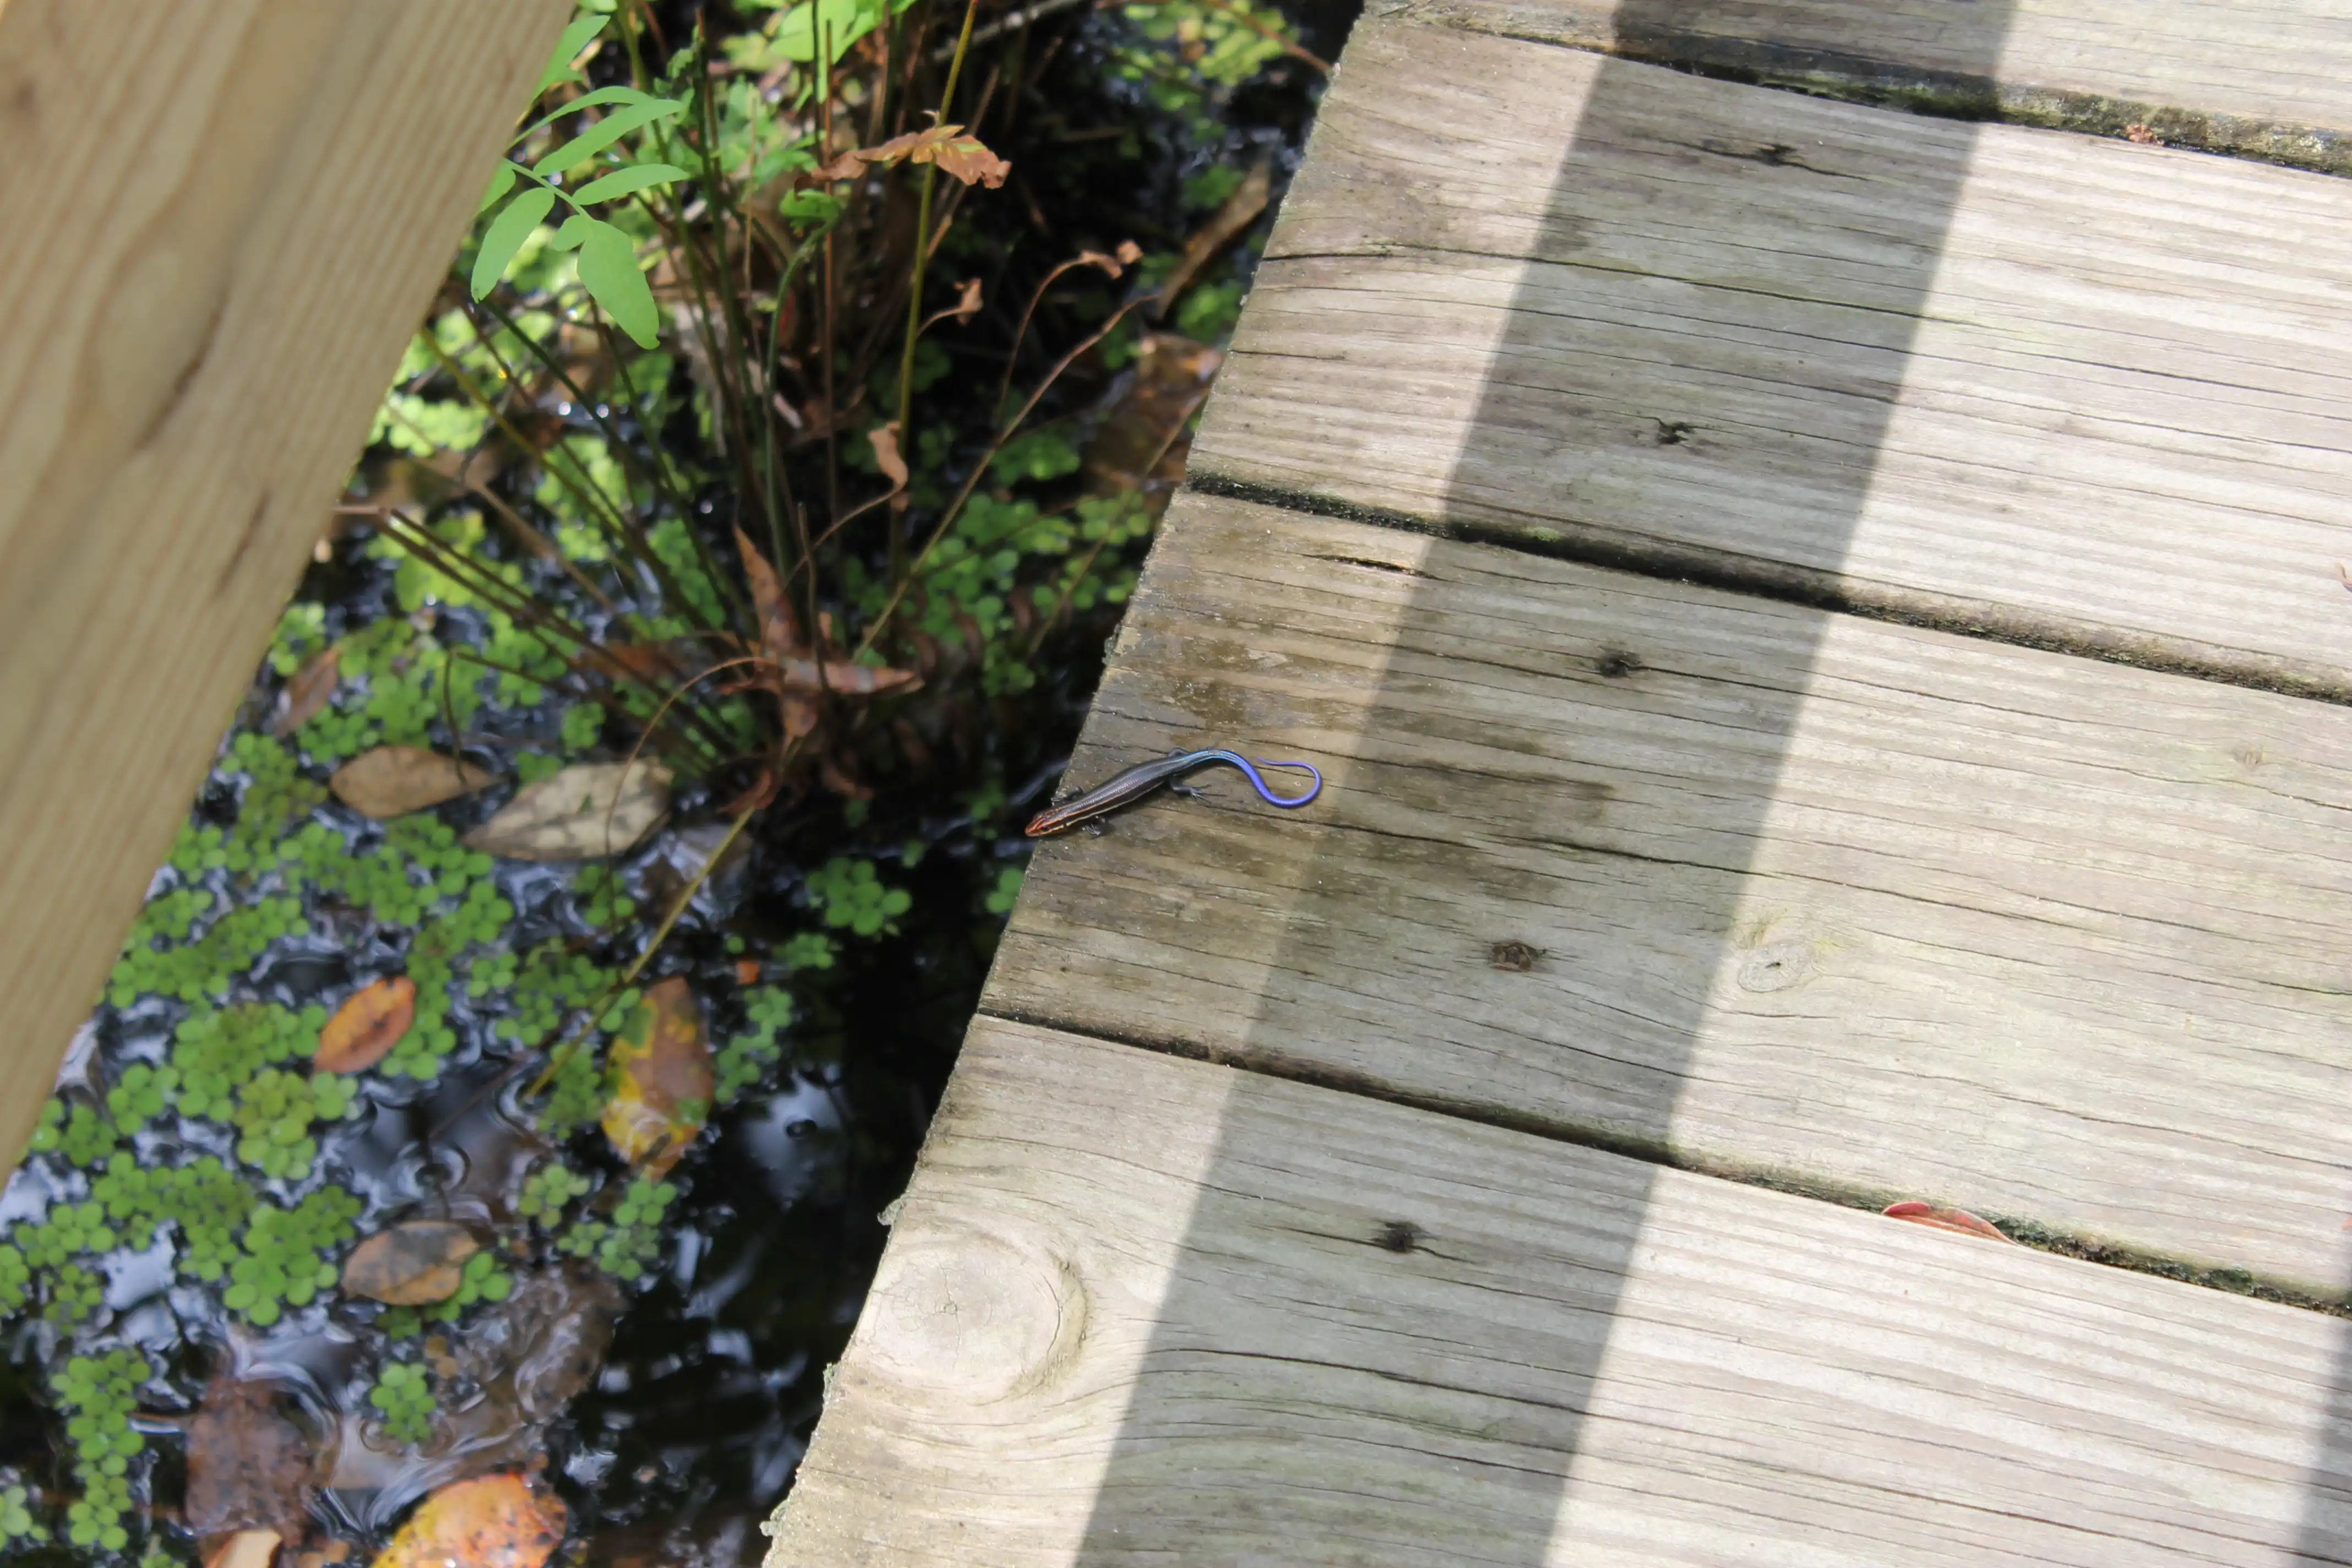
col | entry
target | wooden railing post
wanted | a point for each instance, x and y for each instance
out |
(220, 220)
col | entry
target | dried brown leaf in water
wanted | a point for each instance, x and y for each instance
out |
(311, 688)
(1961, 1220)
(1140, 443)
(1224, 226)
(248, 1465)
(393, 780)
(585, 812)
(246, 1549)
(661, 1077)
(413, 1263)
(491, 1522)
(367, 1025)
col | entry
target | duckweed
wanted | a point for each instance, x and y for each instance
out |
(405, 1396)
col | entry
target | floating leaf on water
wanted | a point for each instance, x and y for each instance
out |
(662, 1081)
(248, 1465)
(311, 688)
(411, 1265)
(246, 1549)
(367, 1025)
(393, 780)
(587, 811)
(491, 1522)
(1961, 1220)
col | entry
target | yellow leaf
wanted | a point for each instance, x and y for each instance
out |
(661, 1078)
(491, 1522)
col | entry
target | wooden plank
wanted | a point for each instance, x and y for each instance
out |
(2074, 393)
(2272, 78)
(1141, 1310)
(1858, 907)
(221, 221)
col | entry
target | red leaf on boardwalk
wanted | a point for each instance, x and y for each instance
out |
(1961, 1220)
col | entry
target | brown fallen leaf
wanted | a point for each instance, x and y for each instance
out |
(587, 811)
(249, 1465)
(491, 1522)
(884, 440)
(787, 667)
(311, 688)
(780, 630)
(661, 1078)
(958, 156)
(967, 304)
(393, 780)
(1140, 443)
(1224, 226)
(1961, 1220)
(367, 1025)
(246, 1549)
(413, 1264)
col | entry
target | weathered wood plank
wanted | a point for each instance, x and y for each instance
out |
(1833, 901)
(221, 222)
(1137, 1309)
(2071, 392)
(2269, 79)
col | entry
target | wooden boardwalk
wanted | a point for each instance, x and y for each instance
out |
(1826, 626)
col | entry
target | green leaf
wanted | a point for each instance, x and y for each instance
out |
(627, 182)
(602, 96)
(810, 206)
(574, 230)
(604, 133)
(501, 184)
(608, 268)
(575, 38)
(844, 22)
(506, 232)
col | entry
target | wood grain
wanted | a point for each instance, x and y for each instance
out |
(1142, 1310)
(2268, 79)
(223, 220)
(1856, 906)
(2073, 392)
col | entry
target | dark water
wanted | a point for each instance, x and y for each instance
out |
(688, 1433)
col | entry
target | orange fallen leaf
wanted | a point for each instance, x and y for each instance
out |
(958, 157)
(246, 1549)
(747, 972)
(661, 1078)
(393, 780)
(311, 688)
(367, 1025)
(1961, 1220)
(411, 1265)
(491, 1522)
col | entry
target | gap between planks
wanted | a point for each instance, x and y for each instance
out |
(1141, 1310)
(2033, 387)
(2264, 81)
(1848, 907)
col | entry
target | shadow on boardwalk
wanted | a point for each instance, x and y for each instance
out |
(1567, 401)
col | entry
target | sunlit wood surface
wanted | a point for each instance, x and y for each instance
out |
(220, 221)
(1826, 629)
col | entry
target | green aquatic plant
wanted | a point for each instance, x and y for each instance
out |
(282, 1258)
(546, 1192)
(631, 1238)
(850, 895)
(100, 1393)
(745, 1058)
(17, 1520)
(275, 1112)
(403, 1395)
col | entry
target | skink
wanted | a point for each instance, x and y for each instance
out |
(1140, 780)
